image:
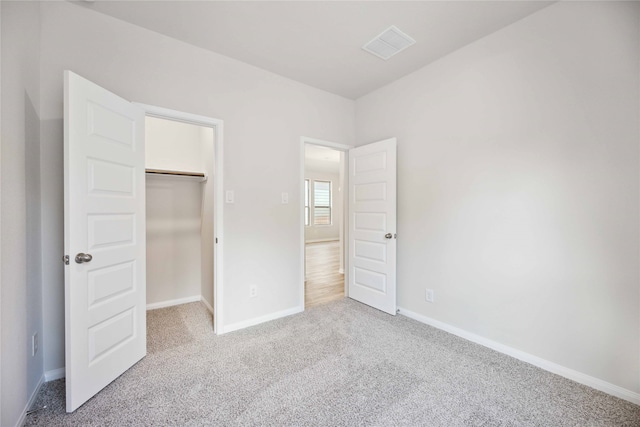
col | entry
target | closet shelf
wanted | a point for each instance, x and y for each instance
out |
(199, 176)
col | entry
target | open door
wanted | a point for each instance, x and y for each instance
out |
(372, 225)
(104, 221)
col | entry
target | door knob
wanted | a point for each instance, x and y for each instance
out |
(80, 258)
(388, 236)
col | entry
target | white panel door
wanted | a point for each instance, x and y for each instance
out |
(104, 226)
(372, 225)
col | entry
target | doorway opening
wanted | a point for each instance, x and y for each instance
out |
(324, 209)
(183, 214)
(179, 182)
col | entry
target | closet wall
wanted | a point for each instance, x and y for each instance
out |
(206, 233)
(179, 214)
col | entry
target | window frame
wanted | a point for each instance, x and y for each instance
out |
(329, 206)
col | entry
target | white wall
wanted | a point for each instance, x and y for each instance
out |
(1, 126)
(172, 145)
(207, 243)
(174, 206)
(21, 293)
(325, 232)
(518, 186)
(264, 117)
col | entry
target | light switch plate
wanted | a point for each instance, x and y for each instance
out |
(229, 197)
(285, 198)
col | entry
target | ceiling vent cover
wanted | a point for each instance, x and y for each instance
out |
(388, 43)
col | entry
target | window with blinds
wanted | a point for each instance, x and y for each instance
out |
(321, 202)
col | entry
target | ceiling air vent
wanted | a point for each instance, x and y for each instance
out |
(388, 43)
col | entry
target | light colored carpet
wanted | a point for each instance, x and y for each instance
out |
(340, 364)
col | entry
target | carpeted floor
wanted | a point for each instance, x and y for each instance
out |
(340, 364)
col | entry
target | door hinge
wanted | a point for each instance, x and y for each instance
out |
(65, 259)
(216, 240)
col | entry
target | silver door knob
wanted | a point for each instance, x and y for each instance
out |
(80, 258)
(388, 236)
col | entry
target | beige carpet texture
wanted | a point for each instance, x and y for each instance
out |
(339, 364)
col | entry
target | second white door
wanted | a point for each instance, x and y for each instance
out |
(372, 225)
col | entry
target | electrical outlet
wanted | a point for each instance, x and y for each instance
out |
(34, 344)
(429, 295)
(253, 291)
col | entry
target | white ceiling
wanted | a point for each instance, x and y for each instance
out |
(319, 158)
(320, 42)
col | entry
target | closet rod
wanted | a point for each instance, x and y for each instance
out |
(176, 173)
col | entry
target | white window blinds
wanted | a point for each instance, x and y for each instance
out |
(321, 203)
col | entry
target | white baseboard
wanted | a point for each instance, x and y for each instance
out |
(30, 402)
(54, 374)
(547, 365)
(206, 304)
(170, 303)
(331, 239)
(257, 320)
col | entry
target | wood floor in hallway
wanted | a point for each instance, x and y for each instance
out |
(324, 281)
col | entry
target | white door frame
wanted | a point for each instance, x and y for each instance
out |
(304, 140)
(217, 125)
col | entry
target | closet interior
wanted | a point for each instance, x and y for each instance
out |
(179, 160)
